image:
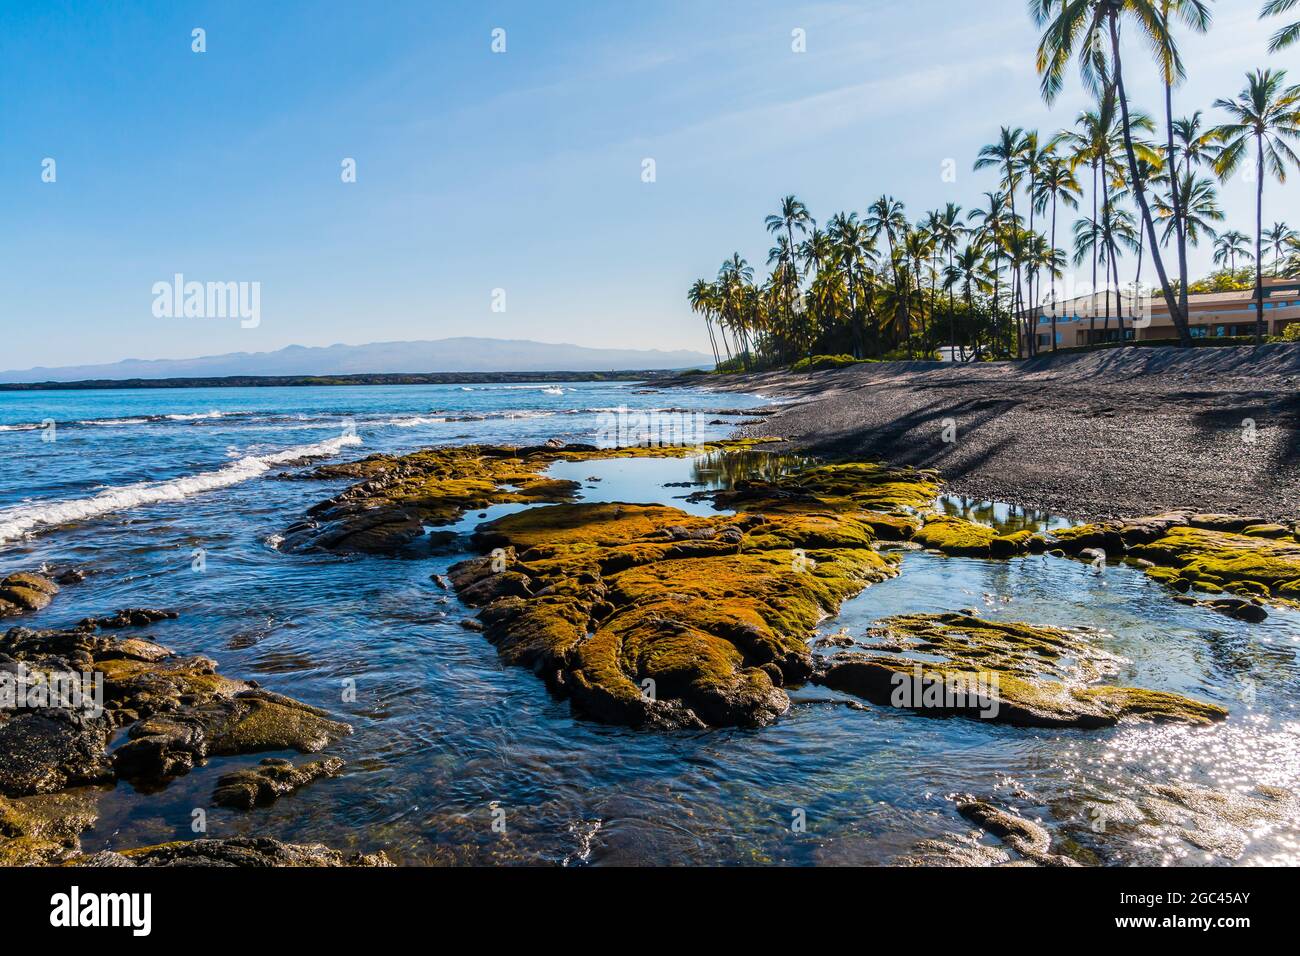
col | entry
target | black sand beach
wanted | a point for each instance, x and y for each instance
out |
(1117, 433)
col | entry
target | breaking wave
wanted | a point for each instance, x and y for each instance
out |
(24, 519)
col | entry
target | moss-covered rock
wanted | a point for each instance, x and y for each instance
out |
(236, 852)
(179, 710)
(836, 489)
(401, 496)
(44, 829)
(649, 616)
(955, 536)
(273, 778)
(1223, 560)
(23, 592)
(958, 665)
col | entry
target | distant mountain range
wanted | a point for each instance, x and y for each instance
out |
(439, 355)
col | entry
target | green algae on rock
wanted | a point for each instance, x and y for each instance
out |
(1007, 672)
(273, 778)
(1241, 563)
(236, 852)
(177, 712)
(835, 488)
(400, 496)
(648, 616)
(24, 592)
(45, 828)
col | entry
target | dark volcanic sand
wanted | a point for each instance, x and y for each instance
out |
(1124, 432)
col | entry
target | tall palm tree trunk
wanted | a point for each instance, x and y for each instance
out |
(1180, 220)
(1092, 306)
(1139, 190)
(1052, 271)
(1259, 241)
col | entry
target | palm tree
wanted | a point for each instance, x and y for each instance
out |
(947, 230)
(1198, 207)
(1044, 256)
(917, 245)
(1278, 238)
(733, 278)
(1102, 240)
(1265, 115)
(970, 269)
(1288, 34)
(703, 299)
(994, 222)
(1196, 15)
(1058, 186)
(1075, 27)
(1229, 247)
(1006, 154)
(1197, 145)
(816, 252)
(793, 215)
(886, 215)
(1033, 160)
(854, 254)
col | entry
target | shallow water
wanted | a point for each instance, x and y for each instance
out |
(448, 740)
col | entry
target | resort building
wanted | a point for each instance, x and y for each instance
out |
(1083, 321)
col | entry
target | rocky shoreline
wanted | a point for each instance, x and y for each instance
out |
(645, 615)
(72, 695)
(639, 614)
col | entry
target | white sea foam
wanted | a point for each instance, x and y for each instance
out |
(195, 417)
(21, 520)
(413, 422)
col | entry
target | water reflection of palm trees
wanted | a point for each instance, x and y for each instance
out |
(721, 470)
(1006, 518)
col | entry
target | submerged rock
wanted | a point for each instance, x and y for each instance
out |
(179, 710)
(24, 592)
(1027, 838)
(127, 617)
(1030, 841)
(238, 851)
(1005, 672)
(1239, 608)
(270, 780)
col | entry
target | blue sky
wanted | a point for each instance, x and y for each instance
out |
(478, 171)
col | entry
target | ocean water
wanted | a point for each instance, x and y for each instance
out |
(130, 485)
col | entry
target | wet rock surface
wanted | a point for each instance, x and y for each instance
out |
(1190, 551)
(235, 852)
(646, 615)
(24, 592)
(399, 497)
(959, 665)
(1021, 842)
(177, 711)
(273, 778)
(127, 617)
(44, 829)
